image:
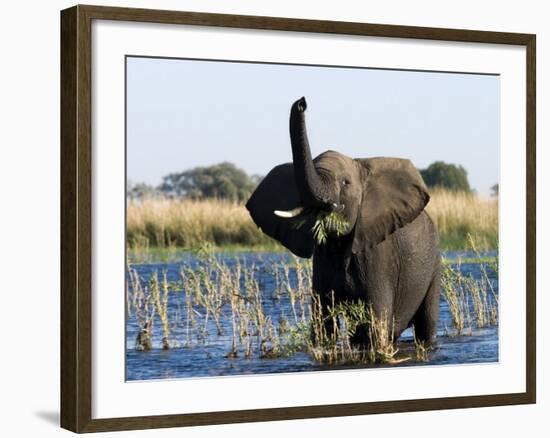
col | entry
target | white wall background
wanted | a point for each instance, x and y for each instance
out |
(29, 187)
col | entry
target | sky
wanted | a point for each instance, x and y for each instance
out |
(187, 113)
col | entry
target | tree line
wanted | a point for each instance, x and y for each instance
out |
(227, 181)
(222, 181)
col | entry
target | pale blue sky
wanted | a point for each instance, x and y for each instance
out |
(185, 113)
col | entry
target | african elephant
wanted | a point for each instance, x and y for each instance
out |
(388, 255)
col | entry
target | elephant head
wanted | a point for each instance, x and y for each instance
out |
(374, 196)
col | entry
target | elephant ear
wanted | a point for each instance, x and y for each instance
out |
(278, 191)
(394, 194)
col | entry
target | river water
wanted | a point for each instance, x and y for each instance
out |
(209, 356)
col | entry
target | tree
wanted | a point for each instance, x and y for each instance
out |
(223, 180)
(140, 191)
(494, 190)
(449, 176)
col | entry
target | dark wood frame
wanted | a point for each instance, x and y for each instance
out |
(76, 238)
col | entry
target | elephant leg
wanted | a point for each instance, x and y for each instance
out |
(328, 301)
(361, 337)
(426, 317)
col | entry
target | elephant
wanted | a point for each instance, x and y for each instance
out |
(388, 255)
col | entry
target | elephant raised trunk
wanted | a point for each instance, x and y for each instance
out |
(313, 191)
(378, 205)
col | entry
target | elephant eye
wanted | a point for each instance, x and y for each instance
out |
(345, 182)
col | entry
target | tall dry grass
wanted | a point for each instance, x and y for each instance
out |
(189, 223)
(459, 215)
(160, 222)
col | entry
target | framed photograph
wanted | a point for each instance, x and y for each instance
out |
(268, 218)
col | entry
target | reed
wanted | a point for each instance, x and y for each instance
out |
(421, 350)
(223, 301)
(143, 311)
(160, 298)
(473, 303)
(333, 343)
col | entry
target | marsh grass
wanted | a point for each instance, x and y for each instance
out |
(159, 294)
(473, 303)
(185, 223)
(141, 307)
(163, 226)
(460, 216)
(421, 350)
(334, 346)
(222, 300)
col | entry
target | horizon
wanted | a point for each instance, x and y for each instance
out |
(251, 176)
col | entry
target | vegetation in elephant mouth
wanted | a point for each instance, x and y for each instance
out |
(326, 223)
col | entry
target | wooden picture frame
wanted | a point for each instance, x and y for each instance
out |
(76, 217)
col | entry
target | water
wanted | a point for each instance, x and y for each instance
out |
(194, 357)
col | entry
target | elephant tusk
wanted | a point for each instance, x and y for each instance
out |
(289, 214)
